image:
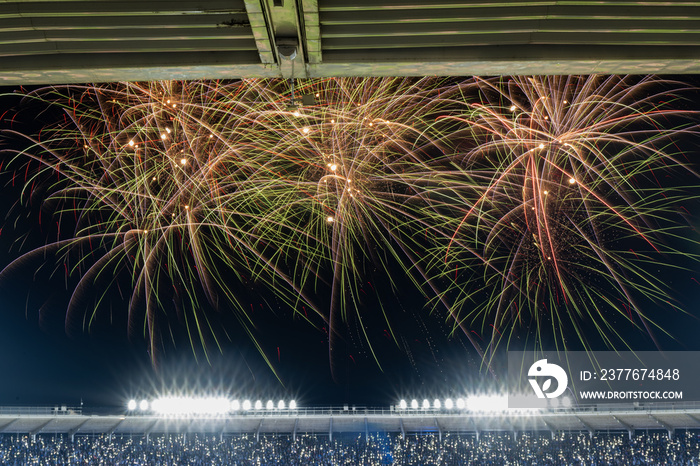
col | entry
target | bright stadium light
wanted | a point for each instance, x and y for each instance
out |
(449, 404)
(131, 405)
(292, 404)
(566, 402)
(183, 406)
(158, 405)
(235, 405)
(269, 405)
(414, 404)
(169, 405)
(258, 404)
(402, 404)
(280, 404)
(212, 405)
(437, 404)
(461, 404)
(426, 404)
(246, 405)
(143, 406)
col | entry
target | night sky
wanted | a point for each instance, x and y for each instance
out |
(48, 360)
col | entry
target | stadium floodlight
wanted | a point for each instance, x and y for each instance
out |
(269, 405)
(414, 404)
(246, 405)
(171, 405)
(235, 405)
(184, 406)
(449, 404)
(131, 405)
(402, 404)
(553, 402)
(143, 406)
(212, 405)
(161, 405)
(292, 404)
(426, 404)
(437, 404)
(258, 404)
(280, 404)
(566, 402)
(461, 404)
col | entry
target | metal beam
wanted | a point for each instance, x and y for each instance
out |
(588, 427)
(629, 427)
(257, 431)
(296, 426)
(4, 427)
(412, 12)
(694, 418)
(515, 60)
(259, 24)
(135, 39)
(86, 8)
(511, 60)
(233, 19)
(130, 67)
(114, 427)
(311, 28)
(549, 426)
(466, 32)
(157, 66)
(33, 433)
(669, 428)
(75, 429)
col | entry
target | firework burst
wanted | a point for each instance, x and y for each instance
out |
(561, 207)
(354, 171)
(149, 181)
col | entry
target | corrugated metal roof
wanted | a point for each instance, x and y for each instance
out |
(80, 40)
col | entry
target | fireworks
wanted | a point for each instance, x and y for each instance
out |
(152, 185)
(562, 205)
(191, 192)
(353, 185)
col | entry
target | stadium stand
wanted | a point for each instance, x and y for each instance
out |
(493, 449)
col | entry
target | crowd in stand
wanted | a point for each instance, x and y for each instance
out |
(491, 449)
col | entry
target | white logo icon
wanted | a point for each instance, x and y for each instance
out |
(547, 371)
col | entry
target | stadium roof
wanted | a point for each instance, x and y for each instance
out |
(337, 421)
(46, 41)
